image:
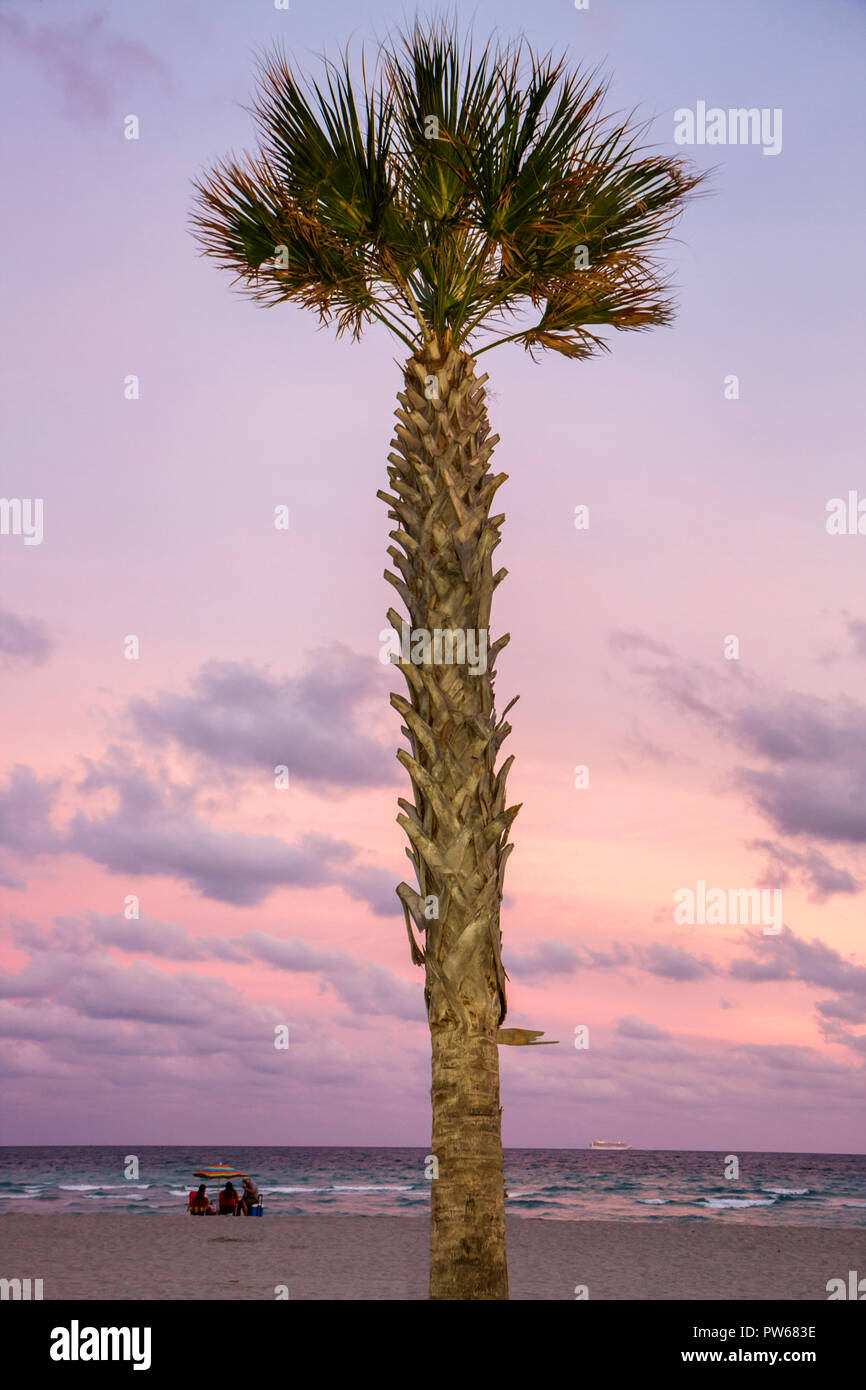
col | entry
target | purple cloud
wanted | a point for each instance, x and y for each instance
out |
(26, 827)
(816, 870)
(88, 66)
(155, 829)
(238, 718)
(816, 782)
(672, 963)
(547, 959)
(789, 957)
(24, 639)
(228, 866)
(25, 813)
(857, 633)
(168, 940)
(634, 1027)
(550, 958)
(367, 988)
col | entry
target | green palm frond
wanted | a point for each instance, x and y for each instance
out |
(447, 193)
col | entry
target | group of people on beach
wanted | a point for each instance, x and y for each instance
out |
(231, 1202)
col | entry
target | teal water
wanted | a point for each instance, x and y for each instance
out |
(557, 1184)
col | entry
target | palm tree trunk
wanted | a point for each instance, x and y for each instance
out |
(458, 824)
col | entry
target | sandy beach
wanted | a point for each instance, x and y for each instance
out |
(385, 1257)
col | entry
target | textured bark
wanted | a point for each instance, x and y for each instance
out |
(458, 822)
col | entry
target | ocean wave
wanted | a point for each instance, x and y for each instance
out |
(371, 1187)
(738, 1202)
(268, 1190)
(100, 1186)
(554, 1189)
(654, 1201)
(114, 1197)
(787, 1191)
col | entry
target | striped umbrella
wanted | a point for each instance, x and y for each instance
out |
(219, 1173)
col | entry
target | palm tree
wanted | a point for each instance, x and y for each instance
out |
(457, 197)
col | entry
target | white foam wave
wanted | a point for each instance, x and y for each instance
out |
(736, 1202)
(787, 1191)
(374, 1187)
(296, 1189)
(100, 1186)
(115, 1197)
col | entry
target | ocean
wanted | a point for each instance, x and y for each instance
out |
(556, 1184)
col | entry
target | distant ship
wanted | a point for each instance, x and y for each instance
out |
(609, 1144)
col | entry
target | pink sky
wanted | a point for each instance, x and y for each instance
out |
(154, 777)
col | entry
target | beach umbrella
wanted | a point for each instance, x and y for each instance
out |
(219, 1173)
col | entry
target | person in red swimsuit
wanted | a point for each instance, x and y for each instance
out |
(199, 1204)
(228, 1201)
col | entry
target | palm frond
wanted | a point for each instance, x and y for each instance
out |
(448, 192)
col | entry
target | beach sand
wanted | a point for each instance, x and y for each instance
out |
(385, 1257)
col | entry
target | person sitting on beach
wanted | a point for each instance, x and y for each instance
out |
(228, 1201)
(199, 1204)
(249, 1196)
